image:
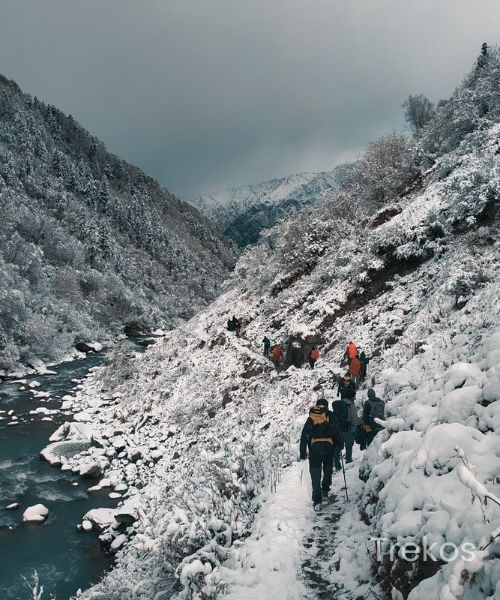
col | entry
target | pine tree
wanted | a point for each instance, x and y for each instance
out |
(483, 56)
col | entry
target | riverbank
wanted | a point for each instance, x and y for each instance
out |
(31, 410)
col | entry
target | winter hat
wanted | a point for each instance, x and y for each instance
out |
(371, 393)
(322, 402)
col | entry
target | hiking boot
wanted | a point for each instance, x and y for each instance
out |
(317, 507)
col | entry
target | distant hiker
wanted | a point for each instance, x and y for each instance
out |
(355, 370)
(296, 355)
(237, 325)
(364, 360)
(346, 388)
(230, 325)
(267, 344)
(374, 408)
(346, 415)
(351, 351)
(320, 436)
(313, 357)
(276, 354)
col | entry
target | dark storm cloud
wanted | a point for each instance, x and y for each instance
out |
(203, 94)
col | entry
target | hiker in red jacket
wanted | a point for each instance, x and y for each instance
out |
(276, 354)
(355, 370)
(313, 357)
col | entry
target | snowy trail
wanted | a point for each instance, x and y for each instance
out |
(266, 565)
(329, 569)
(295, 553)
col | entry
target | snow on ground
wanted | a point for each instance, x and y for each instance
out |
(265, 566)
(203, 430)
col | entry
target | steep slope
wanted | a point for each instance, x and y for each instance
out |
(206, 429)
(243, 212)
(89, 243)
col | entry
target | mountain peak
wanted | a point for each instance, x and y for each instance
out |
(243, 212)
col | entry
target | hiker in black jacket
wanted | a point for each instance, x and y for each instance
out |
(346, 415)
(320, 435)
(373, 408)
(364, 360)
(267, 344)
(346, 387)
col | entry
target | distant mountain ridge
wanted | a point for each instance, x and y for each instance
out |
(89, 244)
(243, 212)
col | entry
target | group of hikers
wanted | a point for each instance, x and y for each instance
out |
(275, 353)
(328, 431)
(235, 325)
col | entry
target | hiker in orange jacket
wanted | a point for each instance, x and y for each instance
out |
(351, 351)
(355, 370)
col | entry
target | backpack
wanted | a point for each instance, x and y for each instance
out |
(377, 411)
(315, 354)
(341, 411)
(359, 435)
(321, 426)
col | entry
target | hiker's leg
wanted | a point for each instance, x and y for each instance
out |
(315, 463)
(349, 442)
(327, 469)
(336, 457)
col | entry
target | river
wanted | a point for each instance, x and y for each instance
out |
(64, 559)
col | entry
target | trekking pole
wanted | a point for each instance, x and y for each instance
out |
(345, 481)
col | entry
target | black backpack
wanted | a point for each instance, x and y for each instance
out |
(341, 412)
(377, 411)
(347, 390)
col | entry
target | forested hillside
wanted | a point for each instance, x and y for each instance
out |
(403, 260)
(88, 243)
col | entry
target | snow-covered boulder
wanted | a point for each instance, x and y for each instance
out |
(35, 514)
(90, 470)
(88, 347)
(86, 526)
(43, 410)
(55, 452)
(101, 518)
(118, 542)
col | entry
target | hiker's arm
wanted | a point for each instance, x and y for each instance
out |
(366, 413)
(304, 439)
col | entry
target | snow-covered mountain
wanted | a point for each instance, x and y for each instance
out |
(243, 212)
(200, 433)
(88, 243)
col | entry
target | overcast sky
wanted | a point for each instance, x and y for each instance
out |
(206, 94)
